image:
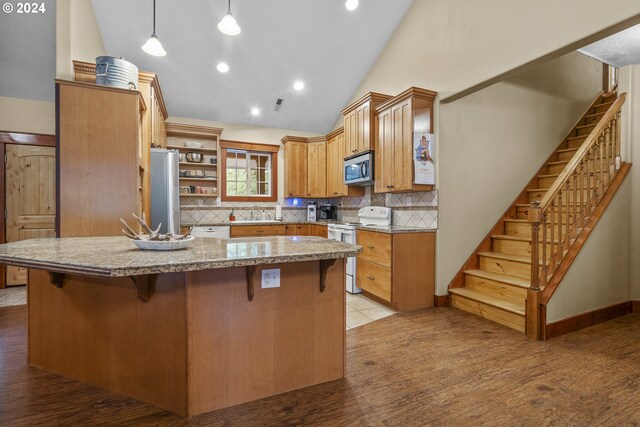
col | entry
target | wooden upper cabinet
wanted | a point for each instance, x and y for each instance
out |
(335, 165)
(100, 154)
(359, 123)
(295, 166)
(317, 167)
(396, 121)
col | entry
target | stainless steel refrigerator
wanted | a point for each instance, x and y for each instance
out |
(165, 196)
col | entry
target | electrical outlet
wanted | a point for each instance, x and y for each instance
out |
(271, 278)
(408, 201)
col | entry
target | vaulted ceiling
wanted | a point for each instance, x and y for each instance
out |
(317, 41)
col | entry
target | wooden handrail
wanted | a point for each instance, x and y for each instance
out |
(586, 146)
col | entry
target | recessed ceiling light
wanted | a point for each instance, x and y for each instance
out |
(298, 85)
(222, 67)
(255, 111)
(351, 4)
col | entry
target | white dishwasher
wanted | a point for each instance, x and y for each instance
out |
(218, 231)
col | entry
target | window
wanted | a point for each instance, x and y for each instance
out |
(249, 171)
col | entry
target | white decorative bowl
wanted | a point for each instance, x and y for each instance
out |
(160, 245)
(193, 144)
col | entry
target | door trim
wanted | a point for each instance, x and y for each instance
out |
(17, 138)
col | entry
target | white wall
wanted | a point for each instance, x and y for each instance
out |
(77, 36)
(492, 142)
(256, 134)
(599, 276)
(449, 46)
(26, 115)
(630, 134)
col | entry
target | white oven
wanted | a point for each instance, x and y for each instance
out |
(346, 233)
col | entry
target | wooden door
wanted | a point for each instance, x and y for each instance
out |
(317, 169)
(30, 198)
(384, 153)
(295, 155)
(402, 146)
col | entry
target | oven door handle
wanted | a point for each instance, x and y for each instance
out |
(363, 170)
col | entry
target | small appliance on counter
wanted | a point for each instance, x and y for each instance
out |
(312, 211)
(327, 211)
(358, 169)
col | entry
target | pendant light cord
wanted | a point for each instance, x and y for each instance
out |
(228, 7)
(154, 17)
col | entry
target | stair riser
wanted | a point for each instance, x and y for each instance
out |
(548, 182)
(585, 130)
(515, 247)
(511, 320)
(593, 119)
(502, 291)
(538, 195)
(565, 155)
(555, 169)
(600, 109)
(524, 229)
(523, 213)
(503, 266)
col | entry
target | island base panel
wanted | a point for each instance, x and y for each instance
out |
(285, 339)
(198, 344)
(98, 331)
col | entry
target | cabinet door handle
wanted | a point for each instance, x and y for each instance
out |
(370, 277)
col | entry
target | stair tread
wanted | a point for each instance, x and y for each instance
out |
(498, 277)
(537, 189)
(571, 138)
(515, 238)
(586, 126)
(594, 114)
(518, 219)
(558, 162)
(508, 257)
(566, 150)
(486, 299)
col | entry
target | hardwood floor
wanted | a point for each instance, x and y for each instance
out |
(432, 367)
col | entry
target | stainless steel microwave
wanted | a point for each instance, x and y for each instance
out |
(358, 169)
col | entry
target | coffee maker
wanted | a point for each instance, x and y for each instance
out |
(327, 211)
(312, 211)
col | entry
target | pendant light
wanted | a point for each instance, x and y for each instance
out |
(228, 24)
(153, 45)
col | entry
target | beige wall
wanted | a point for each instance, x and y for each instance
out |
(257, 134)
(491, 143)
(449, 46)
(25, 115)
(77, 35)
(630, 83)
(599, 276)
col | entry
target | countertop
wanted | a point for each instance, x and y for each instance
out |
(390, 229)
(118, 257)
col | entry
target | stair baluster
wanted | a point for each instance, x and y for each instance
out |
(591, 170)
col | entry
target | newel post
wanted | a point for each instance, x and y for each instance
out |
(532, 309)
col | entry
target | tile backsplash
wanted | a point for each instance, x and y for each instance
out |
(419, 209)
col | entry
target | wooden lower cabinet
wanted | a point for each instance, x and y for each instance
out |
(279, 230)
(397, 269)
(257, 230)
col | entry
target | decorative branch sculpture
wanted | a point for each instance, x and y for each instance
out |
(152, 234)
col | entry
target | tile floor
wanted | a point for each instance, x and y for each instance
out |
(361, 310)
(14, 295)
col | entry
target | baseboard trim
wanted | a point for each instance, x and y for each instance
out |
(442, 301)
(584, 320)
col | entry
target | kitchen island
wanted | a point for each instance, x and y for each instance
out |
(192, 330)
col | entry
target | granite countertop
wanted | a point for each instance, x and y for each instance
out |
(117, 256)
(391, 229)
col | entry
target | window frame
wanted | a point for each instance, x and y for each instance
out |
(251, 147)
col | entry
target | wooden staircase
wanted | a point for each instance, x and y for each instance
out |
(494, 281)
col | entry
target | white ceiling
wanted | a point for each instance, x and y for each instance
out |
(317, 41)
(620, 49)
(28, 53)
